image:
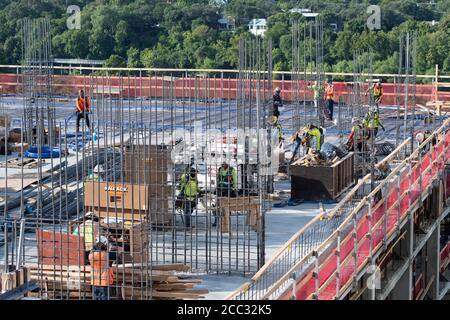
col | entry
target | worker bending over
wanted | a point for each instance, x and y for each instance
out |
(311, 132)
(102, 274)
(305, 136)
(372, 122)
(277, 102)
(356, 137)
(83, 107)
(190, 192)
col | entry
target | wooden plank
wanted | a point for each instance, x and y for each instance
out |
(15, 181)
(8, 281)
(175, 267)
(173, 287)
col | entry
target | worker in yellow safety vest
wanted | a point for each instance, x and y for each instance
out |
(377, 92)
(89, 230)
(372, 122)
(83, 106)
(329, 95)
(102, 275)
(189, 191)
(311, 132)
(275, 122)
(96, 174)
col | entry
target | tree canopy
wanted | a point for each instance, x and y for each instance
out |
(187, 34)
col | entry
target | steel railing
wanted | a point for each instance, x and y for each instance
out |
(329, 270)
(302, 245)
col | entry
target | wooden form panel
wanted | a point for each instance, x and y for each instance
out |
(57, 248)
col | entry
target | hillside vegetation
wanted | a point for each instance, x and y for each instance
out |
(185, 34)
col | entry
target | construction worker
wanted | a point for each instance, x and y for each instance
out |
(96, 174)
(102, 274)
(356, 137)
(304, 137)
(297, 139)
(83, 107)
(421, 136)
(372, 122)
(277, 102)
(329, 95)
(89, 230)
(276, 124)
(190, 192)
(226, 181)
(377, 93)
(317, 92)
(312, 132)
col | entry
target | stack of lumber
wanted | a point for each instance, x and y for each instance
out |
(165, 281)
(133, 282)
(62, 282)
(14, 279)
(312, 160)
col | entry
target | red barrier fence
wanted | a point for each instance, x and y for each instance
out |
(211, 87)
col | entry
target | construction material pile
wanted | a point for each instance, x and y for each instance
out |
(133, 282)
(58, 182)
(329, 154)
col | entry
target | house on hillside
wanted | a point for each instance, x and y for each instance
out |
(258, 27)
(226, 23)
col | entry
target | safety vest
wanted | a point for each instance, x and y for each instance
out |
(189, 188)
(330, 92)
(227, 178)
(377, 91)
(317, 135)
(88, 230)
(102, 273)
(372, 121)
(83, 104)
(94, 177)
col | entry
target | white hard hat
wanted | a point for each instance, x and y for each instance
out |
(102, 239)
(99, 169)
(277, 89)
(355, 120)
(420, 137)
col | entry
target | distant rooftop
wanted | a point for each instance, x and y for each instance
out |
(79, 61)
(297, 10)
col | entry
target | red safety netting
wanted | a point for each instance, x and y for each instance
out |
(386, 215)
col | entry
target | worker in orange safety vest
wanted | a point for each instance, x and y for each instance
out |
(329, 95)
(102, 273)
(83, 107)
